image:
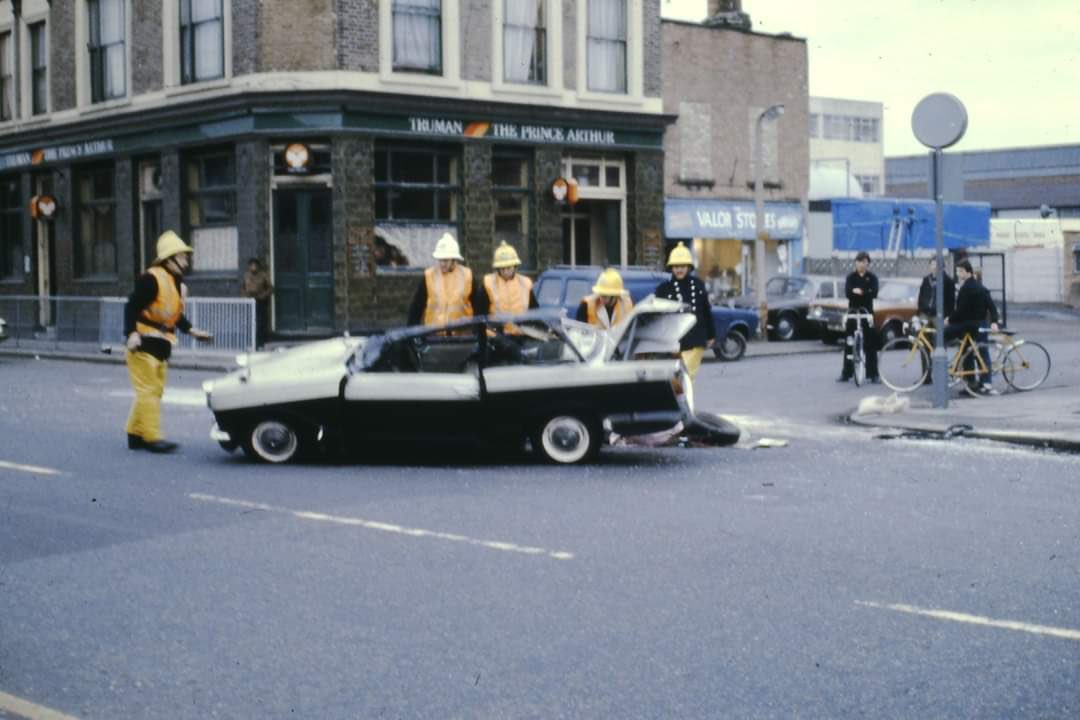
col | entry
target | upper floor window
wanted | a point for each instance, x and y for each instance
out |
(39, 69)
(815, 123)
(418, 36)
(202, 40)
(524, 42)
(607, 33)
(7, 78)
(108, 61)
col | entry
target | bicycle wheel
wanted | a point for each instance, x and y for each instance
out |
(858, 360)
(967, 373)
(998, 350)
(902, 364)
(1026, 365)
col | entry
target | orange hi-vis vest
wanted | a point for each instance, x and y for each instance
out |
(601, 319)
(449, 295)
(160, 317)
(508, 296)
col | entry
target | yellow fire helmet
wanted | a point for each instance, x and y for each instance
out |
(609, 284)
(170, 244)
(680, 255)
(505, 256)
(447, 248)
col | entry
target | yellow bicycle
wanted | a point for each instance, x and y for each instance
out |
(904, 362)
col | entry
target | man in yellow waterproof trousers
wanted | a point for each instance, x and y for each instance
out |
(153, 314)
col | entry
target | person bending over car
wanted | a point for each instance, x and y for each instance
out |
(689, 290)
(608, 304)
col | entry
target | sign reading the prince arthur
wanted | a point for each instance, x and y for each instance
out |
(519, 132)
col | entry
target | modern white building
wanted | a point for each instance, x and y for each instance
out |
(847, 157)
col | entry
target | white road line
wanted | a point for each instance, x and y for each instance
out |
(1064, 633)
(34, 469)
(172, 396)
(386, 527)
(30, 711)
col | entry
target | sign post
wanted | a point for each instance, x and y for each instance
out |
(939, 121)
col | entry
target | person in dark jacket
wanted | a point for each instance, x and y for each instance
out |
(861, 287)
(689, 290)
(928, 294)
(974, 306)
(152, 315)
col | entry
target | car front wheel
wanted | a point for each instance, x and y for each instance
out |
(567, 439)
(272, 441)
(785, 327)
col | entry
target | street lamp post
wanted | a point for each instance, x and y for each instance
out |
(770, 113)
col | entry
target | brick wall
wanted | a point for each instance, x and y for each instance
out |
(477, 229)
(645, 209)
(476, 49)
(730, 75)
(62, 55)
(245, 36)
(125, 227)
(358, 35)
(297, 36)
(146, 54)
(652, 39)
(547, 165)
(354, 233)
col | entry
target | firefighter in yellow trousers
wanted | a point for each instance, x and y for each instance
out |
(153, 314)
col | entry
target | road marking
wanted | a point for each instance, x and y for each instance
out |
(386, 527)
(28, 710)
(172, 396)
(1065, 633)
(35, 469)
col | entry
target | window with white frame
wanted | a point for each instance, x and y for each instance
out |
(524, 42)
(107, 44)
(202, 40)
(39, 69)
(601, 173)
(417, 30)
(7, 77)
(606, 46)
(870, 184)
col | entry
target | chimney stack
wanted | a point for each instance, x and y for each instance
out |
(728, 13)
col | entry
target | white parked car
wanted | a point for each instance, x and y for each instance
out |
(561, 384)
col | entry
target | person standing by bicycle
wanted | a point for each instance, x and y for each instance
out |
(861, 287)
(973, 305)
(927, 306)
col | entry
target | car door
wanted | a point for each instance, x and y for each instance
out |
(430, 384)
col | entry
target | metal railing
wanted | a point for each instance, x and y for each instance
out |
(79, 323)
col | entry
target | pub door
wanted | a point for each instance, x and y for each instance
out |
(303, 260)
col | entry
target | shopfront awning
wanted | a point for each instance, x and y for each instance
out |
(728, 219)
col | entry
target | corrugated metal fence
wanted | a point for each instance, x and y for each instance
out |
(75, 322)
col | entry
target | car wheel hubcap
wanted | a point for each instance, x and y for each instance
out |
(565, 439)
(274, 441)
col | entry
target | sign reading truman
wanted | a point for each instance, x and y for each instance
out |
(725, 219)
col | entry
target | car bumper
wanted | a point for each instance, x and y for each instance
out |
(640, 423)
(829, 320)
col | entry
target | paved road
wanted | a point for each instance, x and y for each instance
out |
(798, 581)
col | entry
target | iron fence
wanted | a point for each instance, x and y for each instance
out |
(74, 322)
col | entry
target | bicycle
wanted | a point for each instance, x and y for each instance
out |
(904, 362)
(858, 343)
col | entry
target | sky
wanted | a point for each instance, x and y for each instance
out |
(1014, 64)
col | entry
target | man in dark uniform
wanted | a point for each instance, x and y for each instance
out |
(861, 287)
(689, 290)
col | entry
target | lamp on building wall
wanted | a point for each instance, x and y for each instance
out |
(770, 113)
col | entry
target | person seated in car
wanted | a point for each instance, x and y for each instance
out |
(608, 304)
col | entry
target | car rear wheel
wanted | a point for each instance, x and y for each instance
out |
(567, 439)
(731, 348)
(785, 327)
(272, 441)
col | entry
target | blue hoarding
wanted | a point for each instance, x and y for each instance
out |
(867, 224)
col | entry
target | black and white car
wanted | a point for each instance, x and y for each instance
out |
(561, 384)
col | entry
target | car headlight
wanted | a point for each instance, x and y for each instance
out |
(208, 386)
(815, 312)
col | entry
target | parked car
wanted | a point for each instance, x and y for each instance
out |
(560, 383)
(789, 298)
(896, 303)
(3, 330)
(564, 286)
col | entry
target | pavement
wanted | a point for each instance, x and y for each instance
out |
(1048, 416)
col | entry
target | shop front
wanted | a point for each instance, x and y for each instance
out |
(722, 234)
(342, 203)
